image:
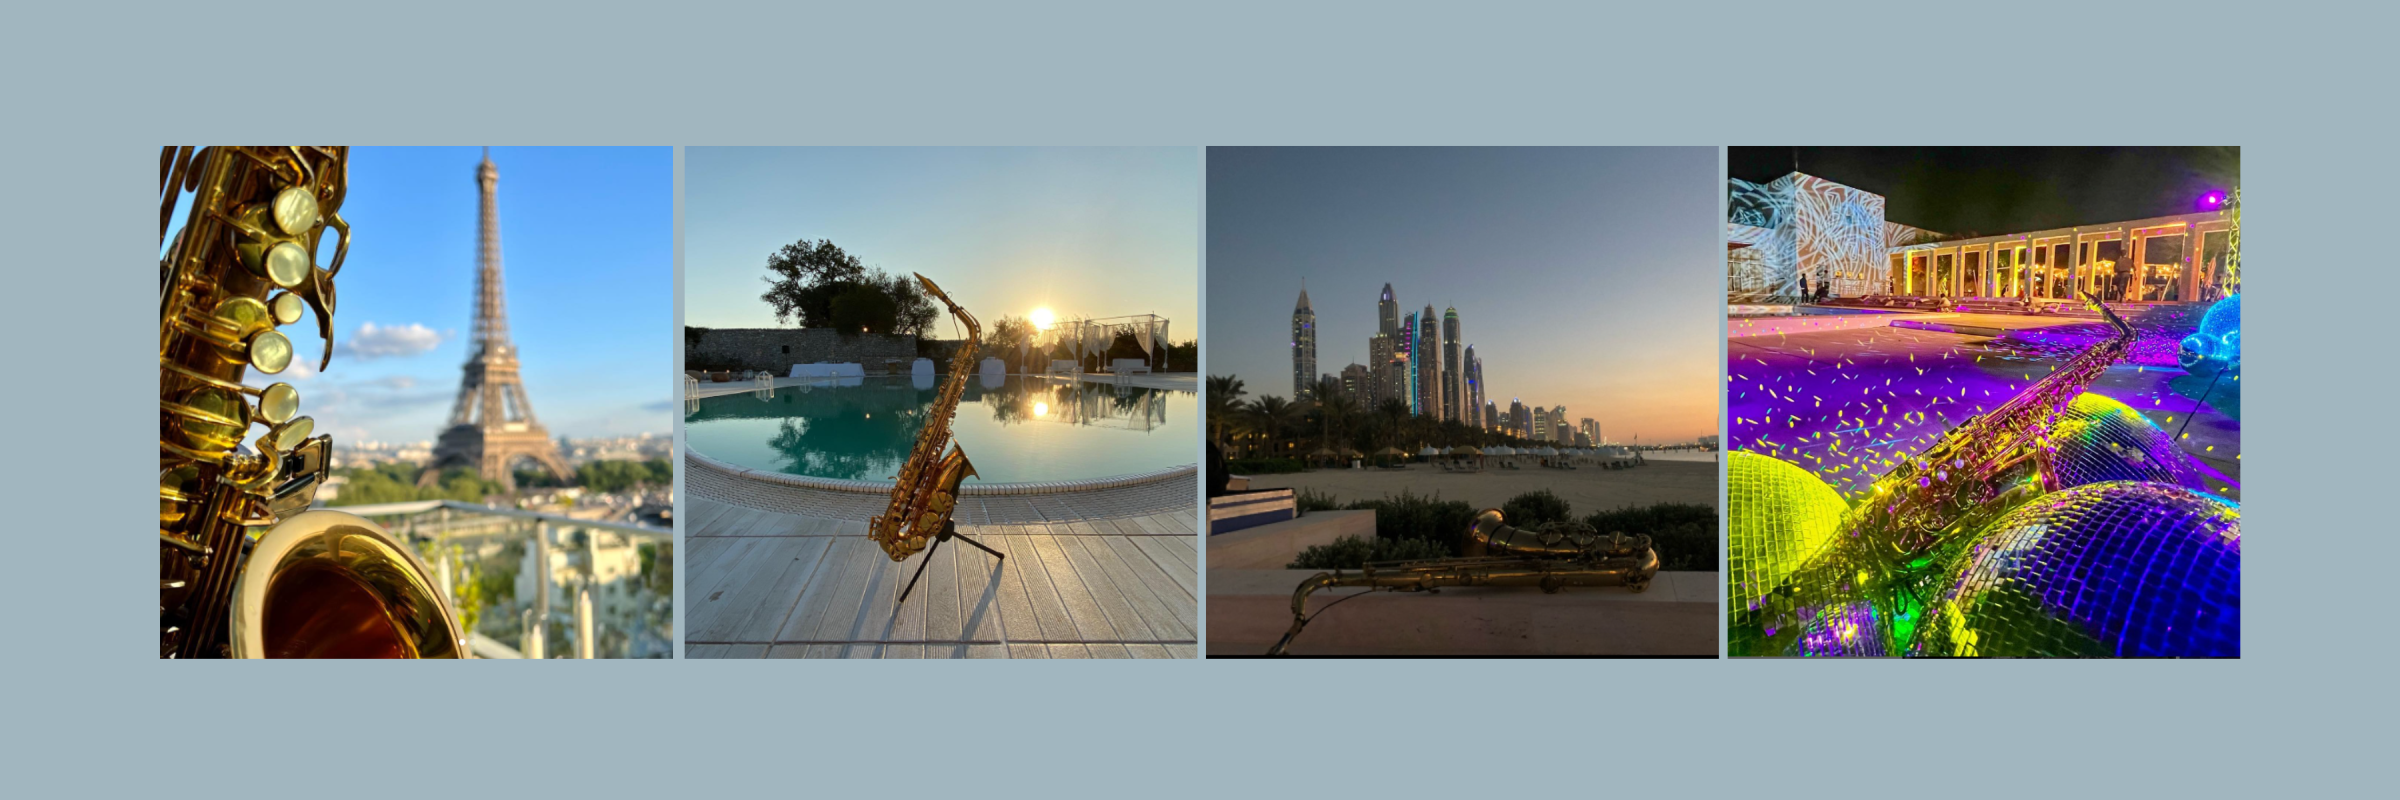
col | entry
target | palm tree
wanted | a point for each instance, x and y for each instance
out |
(1224, 400)
(1333, 408)
(1273, 417)
(1394, 412)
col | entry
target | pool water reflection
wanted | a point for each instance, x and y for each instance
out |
(1016, 429)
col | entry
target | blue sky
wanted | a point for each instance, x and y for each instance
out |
(1585, 277)
(1091, 232)
(587, 246)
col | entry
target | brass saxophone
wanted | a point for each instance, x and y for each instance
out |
(245, 569)
(926, 491)
(1975, 473)
(1554, 557)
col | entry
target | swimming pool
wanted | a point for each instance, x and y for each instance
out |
(1015, 430)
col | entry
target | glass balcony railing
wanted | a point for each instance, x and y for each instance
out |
(528, 584)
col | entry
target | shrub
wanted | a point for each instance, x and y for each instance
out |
(1264, 466)
(1684, 534)
(1312, 500)
(1413, 516)
(1351, 552)
(1534, 508)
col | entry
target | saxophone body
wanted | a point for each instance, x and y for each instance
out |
(926, 490)
(1862, 594)
(245, 569)
(1551, 558)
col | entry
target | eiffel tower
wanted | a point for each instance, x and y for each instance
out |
(491, 424)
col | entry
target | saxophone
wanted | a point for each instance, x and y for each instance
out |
(1922, 509)
(926, 491)
(1556, 556)
(245, 569)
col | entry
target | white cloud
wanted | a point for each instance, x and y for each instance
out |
(373, 341)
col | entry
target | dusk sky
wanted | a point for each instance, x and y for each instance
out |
(1585, 277)
(1085, 232)
(587, 247)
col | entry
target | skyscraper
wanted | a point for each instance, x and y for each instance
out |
(1429, 364)
(1408, 353)
(1358, 383)
(1304, 347)
(1591, 430)
(1387, 313)
(1558, 421)
(1450, 365)
(1472, 393)
(1541, 424)
(1520, 422)
(1379, 370)
(1491, 415)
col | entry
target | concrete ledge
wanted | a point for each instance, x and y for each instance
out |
(1249, 609)
(1271, 546)
(964, 489)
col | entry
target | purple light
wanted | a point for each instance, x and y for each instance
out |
(2212, 199)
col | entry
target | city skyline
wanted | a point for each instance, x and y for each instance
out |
(587, 236)
(1088, 232)
(1587, 278)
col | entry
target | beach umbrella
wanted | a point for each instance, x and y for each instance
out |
(1324, 452)
(1391, 451)
(1429, 452)
(1351, 452)
(1465, 450)
(1549, 451)
(1501, 450)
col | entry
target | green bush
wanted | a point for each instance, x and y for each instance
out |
(1264, 466)
(1684, 534)
(1534, 508)
(1412, 516)
(1312, 500)
(1351, 552)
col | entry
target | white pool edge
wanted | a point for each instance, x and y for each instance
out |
(970, 489)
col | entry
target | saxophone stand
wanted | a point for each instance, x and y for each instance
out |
(949, 532)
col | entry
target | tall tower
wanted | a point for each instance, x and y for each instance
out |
(1408, 357)
(1429, 364)
(1471, 389)
(491, 423)
(1387, 313)
(1304, 347)
(1452, 374)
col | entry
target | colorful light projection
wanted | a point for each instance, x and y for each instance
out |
(1952, 489)
(1836, 232)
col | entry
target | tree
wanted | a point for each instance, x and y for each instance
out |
(1333, 409)
(863, 308)
(1224, 399)
(1274, 418)
(1002, 339)
(913, 311)
(805, 277)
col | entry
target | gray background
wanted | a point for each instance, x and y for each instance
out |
(95, 91)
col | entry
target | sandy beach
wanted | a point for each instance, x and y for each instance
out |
(1588, 489)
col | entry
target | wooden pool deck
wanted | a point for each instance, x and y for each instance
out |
(768, 584)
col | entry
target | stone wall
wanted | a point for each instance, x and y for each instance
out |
(777, 349)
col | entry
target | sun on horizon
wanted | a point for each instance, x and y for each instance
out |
(1041, 318)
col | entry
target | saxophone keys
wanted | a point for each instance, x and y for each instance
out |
(287, 437)
(286, 307)
(277, 403)
(295, 211)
